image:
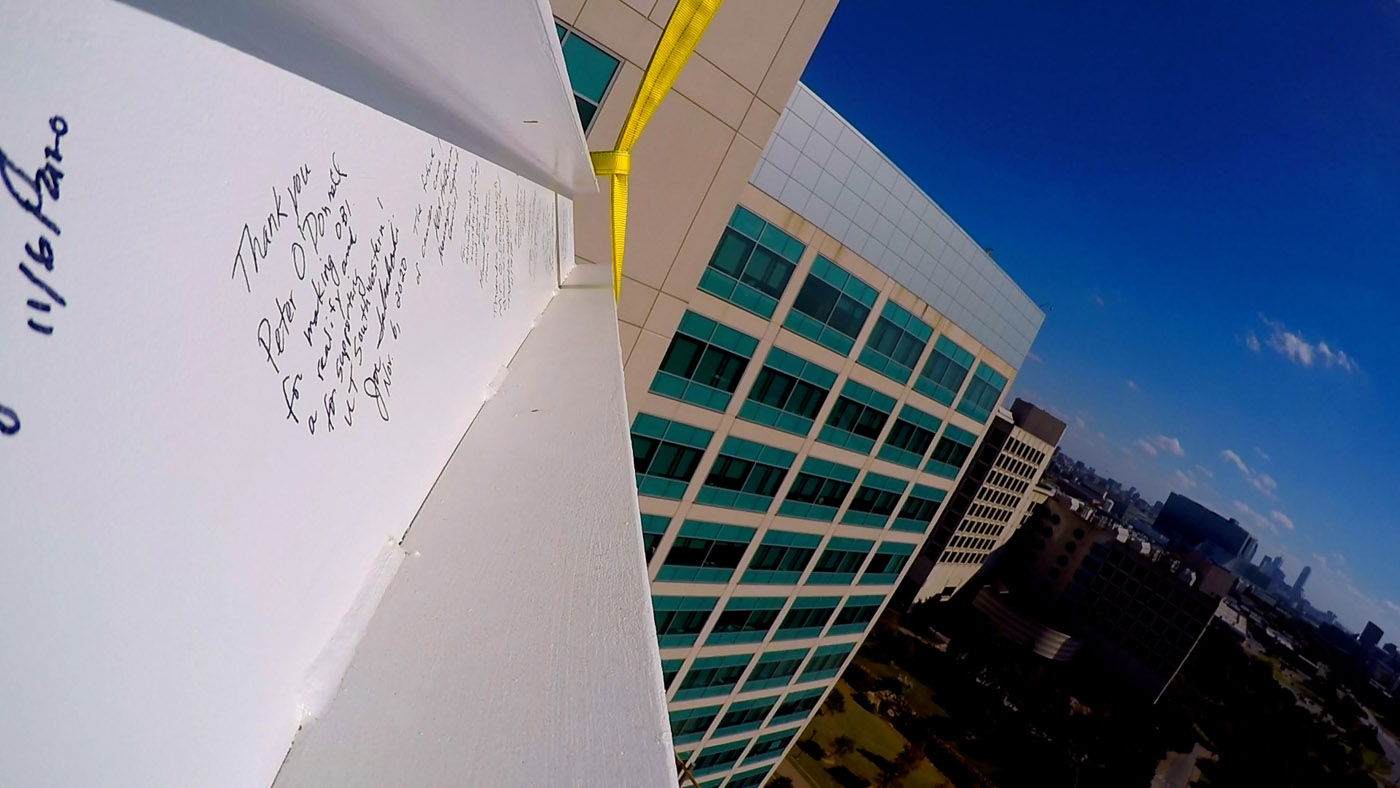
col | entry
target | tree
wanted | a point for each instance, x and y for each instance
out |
(843, 745)
(835, 702)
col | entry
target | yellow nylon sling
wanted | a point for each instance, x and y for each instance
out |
(678, 40)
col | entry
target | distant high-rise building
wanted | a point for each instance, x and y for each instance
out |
(1302, 578)
(988, 505)
(1192, 526)
(1371, 635)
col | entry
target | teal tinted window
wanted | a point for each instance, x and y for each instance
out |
(831, 307)
(653, 529)
(951, 452)
(745, 475)
(679, 619)
(910, 437)
(752, 264)
(857, 418)
(717, 757)
(839, 562)
(887, 563)
(745, 620)
(982, 393)
(818, 490)
(669, 669)
(895, 343)
(788, 393)
(745, 716)
(944, 372)
(665, 455)
(704, 362)
(807, 617)
(775, 669)
(770, 745)
(781, 558)
(705, 552)
(874, 501)
(591, 71)
(712, 676)
(855, 616)
(827, 660)
(690, 725)
(796, 706)
(919, 509)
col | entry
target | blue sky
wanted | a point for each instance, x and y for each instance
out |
(1207, 196)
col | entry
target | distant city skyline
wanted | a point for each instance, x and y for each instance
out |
(1205, 205)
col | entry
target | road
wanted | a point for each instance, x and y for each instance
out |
(1388, 745)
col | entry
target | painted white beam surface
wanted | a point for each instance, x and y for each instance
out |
(516, 644)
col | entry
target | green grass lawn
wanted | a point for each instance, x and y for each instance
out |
(919, 696)
(873, 737)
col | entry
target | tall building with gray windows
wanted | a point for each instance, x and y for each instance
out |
(812, 351)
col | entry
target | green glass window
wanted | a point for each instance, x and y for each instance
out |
(781, 558)
(831, 307)
(919, 509)
(807, 617)
(874, 501)
(712, 676)
(679, 619)
(951, 452)
(886, 564)
(745, 475)
(840, 561)
(665, 455)
(895, 343)
(705, 552)
(752, 264)
(910, 437)
(982, 393)
(857, 418)
(788, 393)
(690, 725)
(818, 490)
(745, 620)
(717, 758)
(591, 71)
(827, 660)
(704, 362)
(944, 372)
(653, 529)
(770, 745)
(669, 669)
(745, 716)
(796, 706)
(855, 616)
(775, 669)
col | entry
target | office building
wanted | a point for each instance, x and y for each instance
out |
(1302, 578)
(991, 501)
(1370, 635)
(1191, 526)
(812, 351)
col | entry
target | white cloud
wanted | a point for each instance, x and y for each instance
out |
(1252, 342)
(1282, 519)
(1034, 357)
(1183, 480)
(1080, 423)
(1258, 520)
(1262, 454)
(1394, 608)
(1169, 445)
(1297, 349)
(1262, 482)
(1146, 447)
(1132, 384)
(1207, 472)
(1098, 301)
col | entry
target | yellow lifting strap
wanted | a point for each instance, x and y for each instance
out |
(678, 40)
